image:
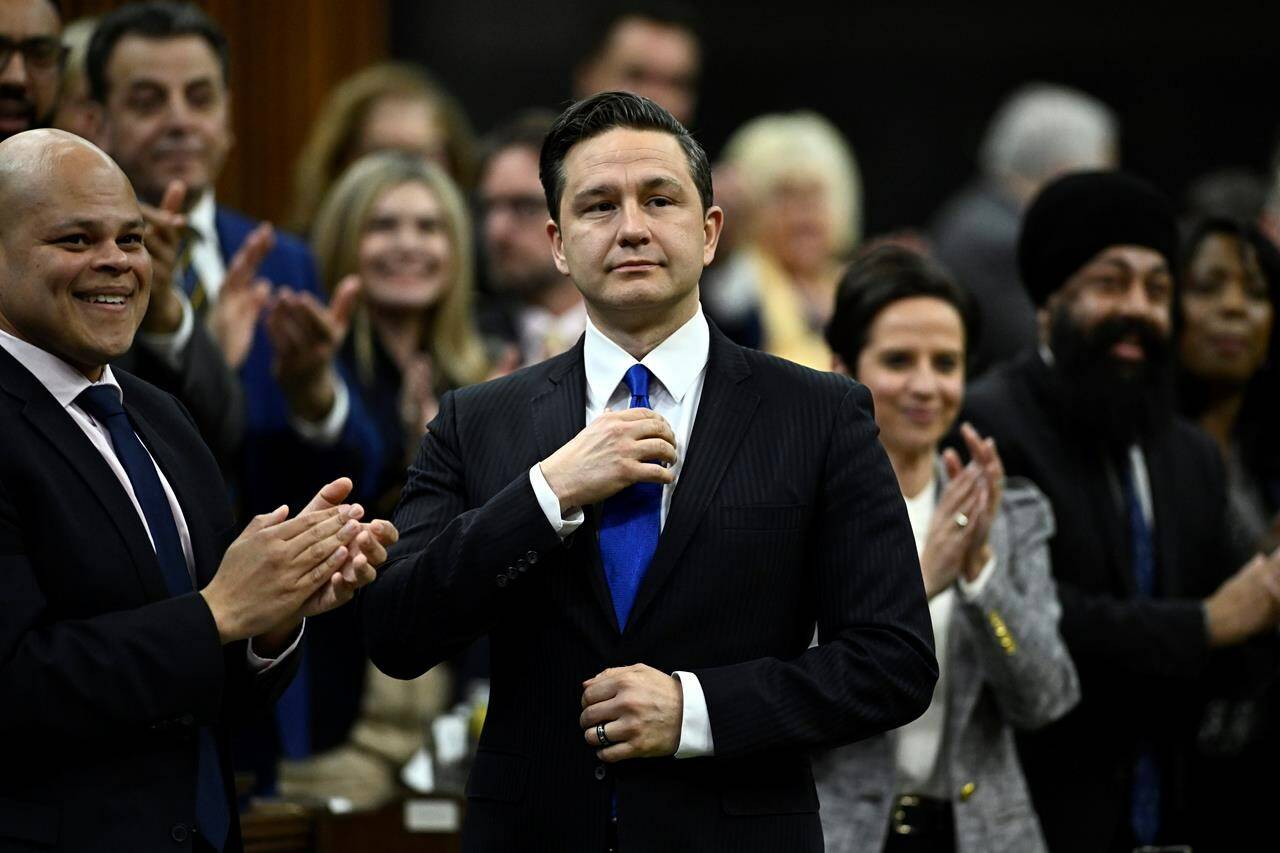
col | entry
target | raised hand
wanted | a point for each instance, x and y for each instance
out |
(614, 451)
(641, 709)
(983, 453)
(163, 239)
(366, 553)
(950, 539)
(418, 402)
(275, 566)
(1246, 603)
(242, 297)
(305, 336)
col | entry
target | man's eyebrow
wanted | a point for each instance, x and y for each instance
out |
(593, 190)
(135, 224)
(661, 182)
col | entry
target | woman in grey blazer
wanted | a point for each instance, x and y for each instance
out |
(949, 781)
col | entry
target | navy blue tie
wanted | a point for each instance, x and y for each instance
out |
(102, 402)
(630, 522)
(1145, 796)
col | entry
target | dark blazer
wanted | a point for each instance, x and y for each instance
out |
(278, 465)
(786, 514)
(1143, 663)
(104, 678)
(205, 386)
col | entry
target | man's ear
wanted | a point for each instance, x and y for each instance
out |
(557, 247)
(712, 227)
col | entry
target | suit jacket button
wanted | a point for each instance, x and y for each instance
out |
(532, 557)
(511, 572)
(600, 772)
(500, 580)
(178, 833)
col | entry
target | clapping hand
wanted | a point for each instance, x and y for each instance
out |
(957, 541)
(241, 297)
(164, 235)
(366, 552)
(306, 335)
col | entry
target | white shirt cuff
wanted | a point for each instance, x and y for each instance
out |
(258, 665)
(695, 722)
(563, 525)
(973, 588)
(328, 430)
(170, 347)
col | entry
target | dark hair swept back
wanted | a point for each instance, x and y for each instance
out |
(881, 276)
(157, 19)
(601, 113)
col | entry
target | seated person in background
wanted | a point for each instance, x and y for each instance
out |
(31, 74)
(949, 781)
(76, 111)
(651, 51)
(1229, 300)
(536, 307)
(1227, 351)
(391, 106)
(1153, 590)
(399, 226)
(132, 627)
(800, 186)
(1040, 132)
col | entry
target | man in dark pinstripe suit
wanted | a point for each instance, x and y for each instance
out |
(648, 527)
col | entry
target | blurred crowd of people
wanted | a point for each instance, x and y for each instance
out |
(1105, 624)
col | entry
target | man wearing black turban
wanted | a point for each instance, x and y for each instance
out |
(1154, 608)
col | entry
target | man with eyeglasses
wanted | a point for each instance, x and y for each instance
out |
(542, 313)
(31, 56)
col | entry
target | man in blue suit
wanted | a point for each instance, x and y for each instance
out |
(160, 71)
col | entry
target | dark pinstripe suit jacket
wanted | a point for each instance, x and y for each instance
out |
(787, 513)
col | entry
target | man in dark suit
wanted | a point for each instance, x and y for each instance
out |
(1151, 596)
(650, 574)
(128, 637)
(159, 71)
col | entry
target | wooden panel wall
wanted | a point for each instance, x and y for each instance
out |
(285, 57)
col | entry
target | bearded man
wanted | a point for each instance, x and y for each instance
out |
(1153, 599)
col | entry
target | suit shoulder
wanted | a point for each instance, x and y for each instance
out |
(1026, 509)
(522, 384)
(779, 377)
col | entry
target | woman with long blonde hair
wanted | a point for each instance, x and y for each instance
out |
(400, 225)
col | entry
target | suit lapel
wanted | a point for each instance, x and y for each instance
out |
(723, 416)
(559, 413)
(55, 424)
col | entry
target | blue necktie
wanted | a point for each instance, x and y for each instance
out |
(102, 402)
(1145, 804)
(630, 522)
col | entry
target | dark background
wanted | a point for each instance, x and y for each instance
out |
(911, 84)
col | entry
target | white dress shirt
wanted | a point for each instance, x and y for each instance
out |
(679, 367)
(66, 383)
(920, 741)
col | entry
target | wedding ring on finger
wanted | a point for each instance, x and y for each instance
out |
(601, 736)
(961, 520)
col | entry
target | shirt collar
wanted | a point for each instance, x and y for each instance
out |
(202, 219)
(676, 362)
(62, 380)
